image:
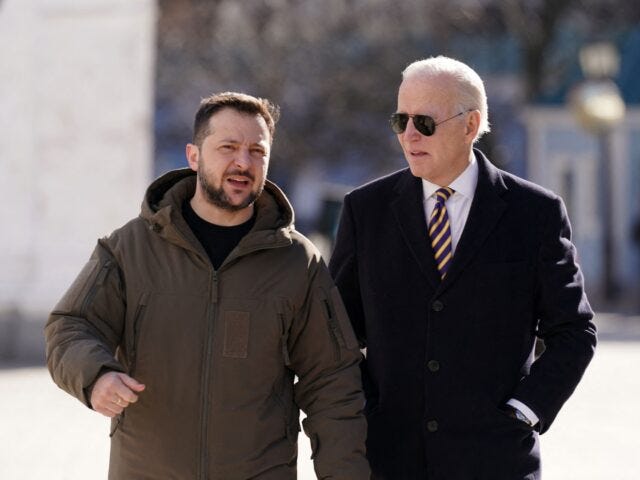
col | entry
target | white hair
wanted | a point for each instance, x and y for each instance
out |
(468, 84)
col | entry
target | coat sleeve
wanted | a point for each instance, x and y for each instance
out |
(324, 355)
(85, 327)
(344, 269)
(564, 323)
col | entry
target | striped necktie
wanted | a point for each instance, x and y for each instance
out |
(440, 231)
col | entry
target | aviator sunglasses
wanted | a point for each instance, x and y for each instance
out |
(425, 124)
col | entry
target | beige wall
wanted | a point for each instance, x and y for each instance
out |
(76, 90)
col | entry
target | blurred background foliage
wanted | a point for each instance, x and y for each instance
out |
(334, 67)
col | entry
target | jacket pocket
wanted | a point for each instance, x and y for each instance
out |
(290, 414)
(135, 333)
(332, 326)
(340, 330)
(285, 326)
(346, 330)
(95, 285)
(291, 411)
(236, 334)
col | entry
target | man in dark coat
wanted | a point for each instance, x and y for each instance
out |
(450, 270)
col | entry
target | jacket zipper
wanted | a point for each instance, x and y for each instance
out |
(94, 287)
(132, 356)
(204, 381)
(333, 329)
(284, 337)
(204, 404)
(287, 409)
(201, 469)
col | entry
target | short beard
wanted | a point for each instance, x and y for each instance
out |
(218, 197)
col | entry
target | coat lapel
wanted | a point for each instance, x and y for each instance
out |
(408, 209)
(486, 210)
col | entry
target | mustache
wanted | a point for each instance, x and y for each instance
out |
(240, 173)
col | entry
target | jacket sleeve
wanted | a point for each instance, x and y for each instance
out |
(324, 355)
(85, 327)
(565, 323)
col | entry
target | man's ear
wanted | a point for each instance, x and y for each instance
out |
(473, 125)
(193, 156)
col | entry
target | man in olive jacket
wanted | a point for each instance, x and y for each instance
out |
(189, 323)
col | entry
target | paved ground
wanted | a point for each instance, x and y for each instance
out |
(47, 435)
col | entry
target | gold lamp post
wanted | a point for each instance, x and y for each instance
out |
(599, 108)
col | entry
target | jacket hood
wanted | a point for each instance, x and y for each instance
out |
(165, 196)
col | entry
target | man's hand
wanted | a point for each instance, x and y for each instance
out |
(113, 392)
(516, 414)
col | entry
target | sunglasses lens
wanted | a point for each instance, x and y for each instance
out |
(398, 122)
(424, 124)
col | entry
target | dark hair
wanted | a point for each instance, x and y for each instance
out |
(238, 101)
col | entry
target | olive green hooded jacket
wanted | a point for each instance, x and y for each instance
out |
(217, 349)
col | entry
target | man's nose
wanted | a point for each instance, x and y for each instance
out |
(410, 131)
(243, 159)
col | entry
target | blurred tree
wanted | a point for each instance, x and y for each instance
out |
(533, 24)
(334, 66)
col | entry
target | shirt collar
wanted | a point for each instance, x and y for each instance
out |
(465, 184)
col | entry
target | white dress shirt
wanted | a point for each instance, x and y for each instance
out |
(458, 206)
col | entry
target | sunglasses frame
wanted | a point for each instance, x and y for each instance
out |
(425, 124)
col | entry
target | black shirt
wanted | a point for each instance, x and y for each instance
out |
(218, 241)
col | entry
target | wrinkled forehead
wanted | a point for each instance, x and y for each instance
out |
(240, 126)
(429, 95)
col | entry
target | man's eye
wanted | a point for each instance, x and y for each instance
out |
(227, 148)
(257, 151)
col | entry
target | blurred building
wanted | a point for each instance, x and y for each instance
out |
(94, 103)
(596, 167)
(563, 157)
(335, 73)
(76, 89)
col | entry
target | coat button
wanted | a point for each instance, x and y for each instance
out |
(433, 365)
(437, 306)
(432, 426)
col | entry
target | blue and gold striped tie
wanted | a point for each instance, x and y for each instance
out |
(440, 231)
